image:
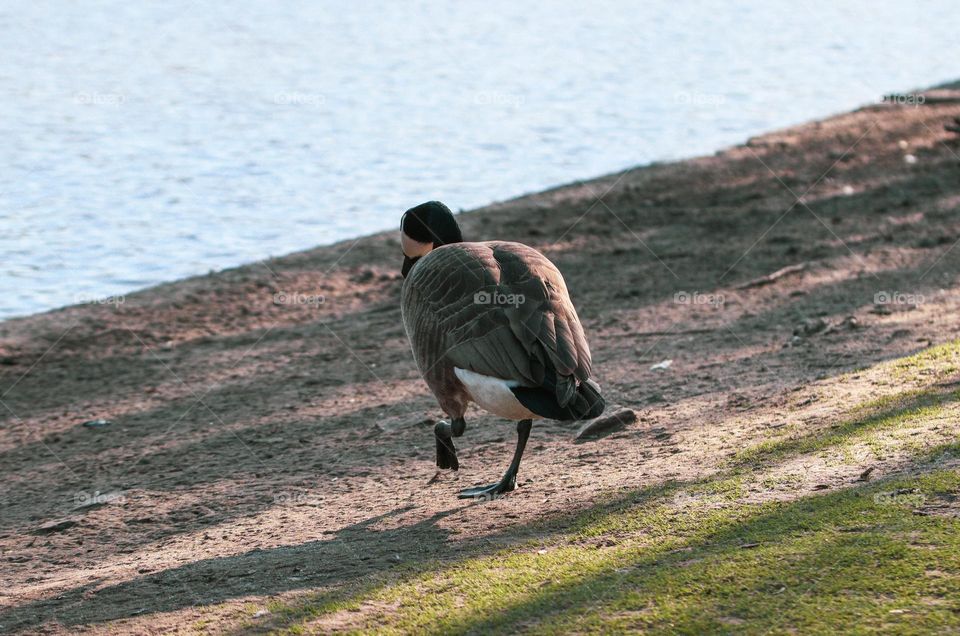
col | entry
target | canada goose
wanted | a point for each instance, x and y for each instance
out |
(491, 323)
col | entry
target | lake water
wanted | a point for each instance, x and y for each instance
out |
(144, 142)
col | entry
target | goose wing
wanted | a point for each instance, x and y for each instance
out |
(502, 310)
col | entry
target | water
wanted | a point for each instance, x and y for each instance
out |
(148, 141)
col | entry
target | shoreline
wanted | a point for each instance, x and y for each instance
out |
(258, 453)
(908, 100)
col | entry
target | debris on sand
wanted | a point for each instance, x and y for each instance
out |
(97, 423)
(661, 366)
(821, 326)
(810, 327)
(55, 526)
(851, 322)
(735, 399)
(615, 421)
(772, 278)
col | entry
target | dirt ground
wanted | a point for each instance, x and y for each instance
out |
(268, 434)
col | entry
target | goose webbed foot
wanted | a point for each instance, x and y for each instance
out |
(508, 482)
(491, 491)
(446, 451)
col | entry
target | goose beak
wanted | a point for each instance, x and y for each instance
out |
(408, 264)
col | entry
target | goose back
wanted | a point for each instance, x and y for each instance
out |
(495, 308)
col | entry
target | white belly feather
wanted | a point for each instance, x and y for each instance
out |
(494, 395)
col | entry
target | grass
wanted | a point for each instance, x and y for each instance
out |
(906, 409)
(701, 557)
(856, 559)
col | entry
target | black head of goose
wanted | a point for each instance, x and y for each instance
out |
(491, 323)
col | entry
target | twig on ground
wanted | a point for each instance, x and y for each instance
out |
(771, 278)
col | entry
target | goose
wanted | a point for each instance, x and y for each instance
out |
(491, 323)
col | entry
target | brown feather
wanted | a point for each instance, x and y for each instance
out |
(447, 328)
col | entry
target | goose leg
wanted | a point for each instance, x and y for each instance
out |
(509, 480)
(446, 451)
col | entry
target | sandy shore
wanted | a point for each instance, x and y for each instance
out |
(267, 433)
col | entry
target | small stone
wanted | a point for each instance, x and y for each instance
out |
(98, 423)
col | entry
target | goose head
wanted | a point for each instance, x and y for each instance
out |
(424, 228)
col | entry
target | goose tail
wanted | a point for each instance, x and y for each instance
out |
(585, 402)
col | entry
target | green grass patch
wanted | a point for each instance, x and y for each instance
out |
(694, 557)
(939, 363)
(908, 408)
(856, 560)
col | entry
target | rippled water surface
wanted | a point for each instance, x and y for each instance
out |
(148, 141)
